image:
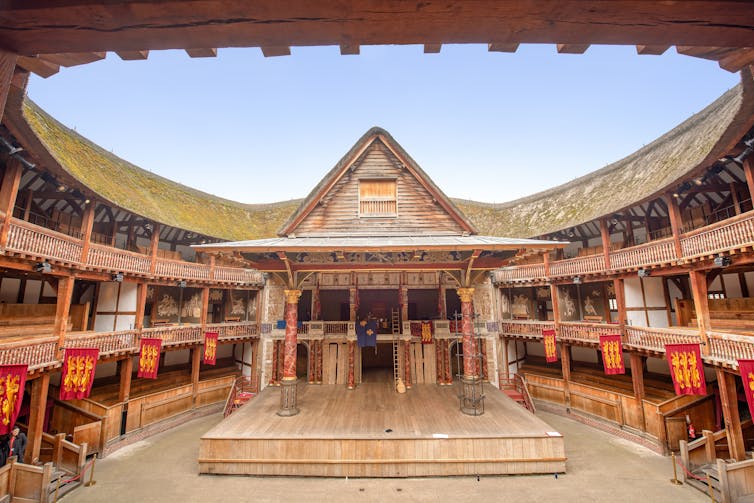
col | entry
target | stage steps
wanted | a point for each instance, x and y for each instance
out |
(714, 478)
(514, 386)
(242, 391)
(396, 331)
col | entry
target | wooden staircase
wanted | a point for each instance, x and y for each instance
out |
(514, 386)
(702, 472)
(243, 390)
(395, 325)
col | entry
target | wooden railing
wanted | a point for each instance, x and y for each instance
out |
(579, 265)
(36, 353)
(654, 339)
(173, 336)
(729, 348)
(108, 343)
(335, 327)
(721, 236)
(724, 236)
(585, 332)
(41, 243)
(527, 327)
(233, 330)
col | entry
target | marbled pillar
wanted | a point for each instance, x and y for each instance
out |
(470, 365)
(288, 384)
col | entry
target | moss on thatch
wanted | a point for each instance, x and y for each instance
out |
(150, 195)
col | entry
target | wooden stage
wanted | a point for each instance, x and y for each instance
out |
(373, 431)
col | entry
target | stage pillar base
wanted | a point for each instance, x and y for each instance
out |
(288, 397)
(472, 396)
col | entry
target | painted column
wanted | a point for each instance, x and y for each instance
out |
(351, 364)
(288, 384)
(472, 400)
(404, 303)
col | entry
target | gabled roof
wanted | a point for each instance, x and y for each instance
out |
(347, 161)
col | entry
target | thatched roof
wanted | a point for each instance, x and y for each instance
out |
(692, 146)
(139, 191)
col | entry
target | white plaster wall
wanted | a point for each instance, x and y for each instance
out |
(536, 349)
(107, 298)
(247, 357)
(125, 321)
(9, 290)
(127, 300)
(674, 293)
(636, 318)
(658, 319)
(732, 285)
(633, 293)
(653, 292)
(224, 350)
(48, 291)
(716, 285)
(31, 293)
(104, 322)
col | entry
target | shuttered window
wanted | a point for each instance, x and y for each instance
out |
(377, 198)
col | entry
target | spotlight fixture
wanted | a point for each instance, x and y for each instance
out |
(118, 277)
(182, 283)
(43, 267)
(577, 280)
(738, 161)
(644, 273)
(62, 188)
(722, 261)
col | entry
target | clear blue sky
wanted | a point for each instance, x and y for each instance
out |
(485, 126)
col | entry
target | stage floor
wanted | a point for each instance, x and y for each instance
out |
(373, 431)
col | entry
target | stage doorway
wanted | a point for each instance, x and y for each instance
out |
(377, 363)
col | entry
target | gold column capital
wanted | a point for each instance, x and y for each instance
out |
(466, 294)
(292, 296)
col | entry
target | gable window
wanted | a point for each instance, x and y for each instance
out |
(377, 198)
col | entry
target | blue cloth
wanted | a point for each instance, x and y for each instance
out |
(281, 325)
(366, 334)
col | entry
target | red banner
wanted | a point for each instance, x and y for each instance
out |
(612, 354)
(746, 369)
(149, 358)
(426, 332)
(78, 372)
(551, 353)
(12, 381)
(686, 368)
(210, 348)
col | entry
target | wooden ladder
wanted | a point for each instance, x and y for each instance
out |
(396, 330)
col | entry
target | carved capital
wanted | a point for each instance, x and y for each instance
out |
(292, 296)
(466, 294)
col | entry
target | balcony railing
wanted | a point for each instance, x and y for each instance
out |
(108, 343)
(586, 332)
(37, 353)
(40, 243)
(725, 236)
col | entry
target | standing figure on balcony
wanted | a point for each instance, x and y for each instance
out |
(17, 444)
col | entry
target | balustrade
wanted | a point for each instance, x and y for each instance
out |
(520, 273)
(578, 265)
(657, 252)
(114, 259)
(719, 237)
(233, 330)
(654, 339)
(585, 332)
(335, 327)
(30, 239)
(729, 348)
(172, 336)
(37, 353)
(529, 328)
(107, 342)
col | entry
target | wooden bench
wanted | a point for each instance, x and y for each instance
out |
(593, 319)
(161, 323)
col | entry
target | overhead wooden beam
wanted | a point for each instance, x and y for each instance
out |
(432, 48)
(572, 48)
(275, 50)
(202, 53)
(69, 59)
(39, 66)
(498, 47)
(7, 64)
(654, 50)
(349, 49)
(132, 55)
(712, 53)
(736, 60)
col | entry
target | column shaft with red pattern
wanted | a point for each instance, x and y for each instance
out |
(291, 333)
(470, 366)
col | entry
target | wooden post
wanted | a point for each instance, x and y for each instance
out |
(87, 224)
(126, 369)
(506, 359)
(205, 308)
(565, 364)
(637, 379)
(620, 299)
(141, 304)
(605, 234)
(555, 307)
(749, 172)
(729, 401)
(352, 293)
(154, 244)
(351, 384)
(546, 261)
(8, 194)
(404, 303)
(698, 281)
(196, 361)
(63, 308)
(288, 385)
(27, 205)
(676, 222)
(734, 196)
(7, 65)
(37, 409)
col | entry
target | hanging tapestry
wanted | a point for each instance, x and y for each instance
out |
(210, 348)
(612, 354)
(79, 365)
(12, 381)
(746, 369)
(149, 358)
(366, 333)
(426, 332)
(686, 368)
(551, 353)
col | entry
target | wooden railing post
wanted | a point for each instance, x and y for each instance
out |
(153, 246)
(620, 299)
(676, 222)
(37, 408)
(87, 224)
(637, 379)
(196, 360)
(701, 306)
(141, 303)
(8, 193)
(126, 370)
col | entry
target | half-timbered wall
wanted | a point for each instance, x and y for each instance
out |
(116, 306)
(338, 211)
